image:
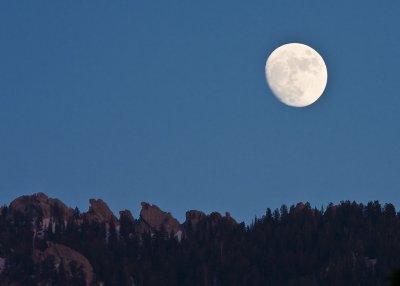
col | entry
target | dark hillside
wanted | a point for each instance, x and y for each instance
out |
(44, 242)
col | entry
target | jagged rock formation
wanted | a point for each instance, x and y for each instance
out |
(194, 217)
(215, 218)
(41, 206)
(50, 216)
(126, 214)
(65, 256)
(153, 218)
(99, 212)
(216, 250)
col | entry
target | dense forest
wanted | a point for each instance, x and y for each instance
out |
(345, 244)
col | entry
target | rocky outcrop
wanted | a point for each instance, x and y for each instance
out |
(65, 256)
(40, 205)
(126, 215)
(194, 217)
(152, 219)
(99, 212)
(215, 218)
(51, 219)
(228, 218)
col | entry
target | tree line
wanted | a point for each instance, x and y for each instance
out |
(344, 244)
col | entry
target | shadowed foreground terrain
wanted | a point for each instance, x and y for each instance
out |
(44, 242)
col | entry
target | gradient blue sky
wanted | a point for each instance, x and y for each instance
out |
(166, 102)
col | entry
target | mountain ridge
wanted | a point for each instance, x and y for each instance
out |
(45, 242)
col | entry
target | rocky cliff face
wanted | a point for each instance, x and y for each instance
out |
(153, 218)
(127, 215)
(51, 220)
(41, 206)
(194, 217)
(99, 212)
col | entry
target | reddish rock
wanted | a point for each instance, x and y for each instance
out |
(99, 212)
(230, 219)
(65, 255)
(126, 214)
(40, 204)
(215, 217)
(194, 217)
(152, 218)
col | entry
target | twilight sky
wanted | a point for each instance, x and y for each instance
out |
(166, 102)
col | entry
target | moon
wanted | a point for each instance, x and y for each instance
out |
(296, 74)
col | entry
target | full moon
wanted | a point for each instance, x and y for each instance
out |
(296, 74)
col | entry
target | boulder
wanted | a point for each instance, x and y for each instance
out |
(65, 256)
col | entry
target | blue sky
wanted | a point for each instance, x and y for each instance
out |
(166, 102)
